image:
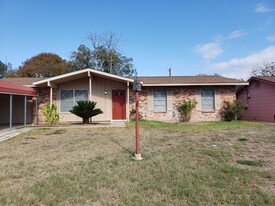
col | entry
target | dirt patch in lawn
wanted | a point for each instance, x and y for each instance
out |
(83, 166)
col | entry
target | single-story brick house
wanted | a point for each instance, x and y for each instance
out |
(259, 98)
(114, 95)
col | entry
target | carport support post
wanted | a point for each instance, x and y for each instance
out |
(36, 110)
(10, 111)
(25, 110)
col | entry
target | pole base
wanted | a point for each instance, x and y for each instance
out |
(138, 157)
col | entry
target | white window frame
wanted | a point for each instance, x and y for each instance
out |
(158, 110)
(202, 99)
(74, 101)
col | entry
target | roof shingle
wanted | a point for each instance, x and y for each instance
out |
(25, 81)
(188, 80)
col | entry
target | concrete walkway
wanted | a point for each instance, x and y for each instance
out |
(7, 133)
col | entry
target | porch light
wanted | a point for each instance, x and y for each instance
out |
(105, 92)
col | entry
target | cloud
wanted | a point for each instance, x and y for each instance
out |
(210, 50)
(261, 8)
(236, 34)
(270, 38)
(241, 67)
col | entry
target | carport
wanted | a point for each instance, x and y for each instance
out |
(16, 103)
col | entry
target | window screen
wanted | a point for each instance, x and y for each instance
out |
(70, 97)
(160, 100)
(207, 99)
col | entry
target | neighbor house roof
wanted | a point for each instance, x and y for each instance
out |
(26, 81)
(270, 79)
(79, 74)
(189, 81)
(12, 88)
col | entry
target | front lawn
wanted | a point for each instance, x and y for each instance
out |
(215, 163)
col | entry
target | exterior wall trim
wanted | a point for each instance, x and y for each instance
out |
(197, 84)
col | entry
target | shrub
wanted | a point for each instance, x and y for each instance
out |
(185, 109)
(133, 115)
(86, 110)
(232, 110)
(51, 115)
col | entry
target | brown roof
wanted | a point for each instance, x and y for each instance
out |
(26, 81)
(265, 78)
(190, 80)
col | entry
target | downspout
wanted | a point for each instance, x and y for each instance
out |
(51, 96)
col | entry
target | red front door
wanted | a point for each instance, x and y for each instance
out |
(119, 107)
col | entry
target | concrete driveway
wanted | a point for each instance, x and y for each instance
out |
(7, 133)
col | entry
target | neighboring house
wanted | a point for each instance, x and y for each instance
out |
(159, 98)
(259, 98)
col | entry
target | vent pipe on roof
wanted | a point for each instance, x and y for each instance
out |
(170, 72)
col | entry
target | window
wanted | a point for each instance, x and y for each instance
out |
(70, 97)
(207, 100)
(160, 100)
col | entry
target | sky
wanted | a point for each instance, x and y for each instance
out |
(229, 37)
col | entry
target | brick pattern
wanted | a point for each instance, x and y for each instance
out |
(178, 95)
(43, 99)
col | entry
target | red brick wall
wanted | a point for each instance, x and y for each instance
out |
(43, 99)
(178, 95)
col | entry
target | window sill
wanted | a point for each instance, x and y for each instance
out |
(160, 111)
(208, 111)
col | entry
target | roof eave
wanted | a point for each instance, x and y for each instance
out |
(112, 76)
(198, 84)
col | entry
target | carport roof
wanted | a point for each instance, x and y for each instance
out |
(11, 88)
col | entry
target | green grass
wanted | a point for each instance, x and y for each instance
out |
(179, 167)
(200, 126)
(251, 163)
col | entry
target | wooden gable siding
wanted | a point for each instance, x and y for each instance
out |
(259, 98)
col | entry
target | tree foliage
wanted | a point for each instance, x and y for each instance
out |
(4, 69)
(104, 55)
(86, 110)
(43, 65)
(266, 69)
(213, 75)
(81, 59)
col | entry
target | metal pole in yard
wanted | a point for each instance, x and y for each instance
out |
(137, 126)
(137, 89)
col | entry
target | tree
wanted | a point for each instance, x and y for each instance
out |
(86, 110)
(266, 69)
(43, 65)
(212, 75)
(103, 56)
(4, 68)
(81, 59)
